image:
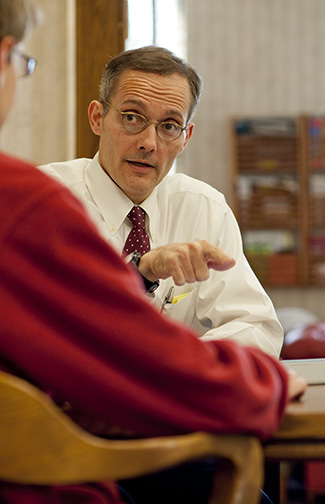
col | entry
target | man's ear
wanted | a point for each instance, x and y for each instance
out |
(95, 115)
(6, 45)
(188, 134)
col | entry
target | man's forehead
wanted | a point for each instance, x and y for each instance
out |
(135, 85)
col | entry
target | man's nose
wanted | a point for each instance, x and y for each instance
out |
(147, 139)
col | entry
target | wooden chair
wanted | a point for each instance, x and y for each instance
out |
(40, 444)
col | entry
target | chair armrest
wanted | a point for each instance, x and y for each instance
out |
(41, 445)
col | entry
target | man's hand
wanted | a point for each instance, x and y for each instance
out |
(297, 385)
(185, 262)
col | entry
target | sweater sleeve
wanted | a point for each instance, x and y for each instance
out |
(76, 322)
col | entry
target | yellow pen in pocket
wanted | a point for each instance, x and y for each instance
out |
(178, 298)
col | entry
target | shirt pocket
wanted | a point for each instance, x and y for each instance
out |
(182, 307)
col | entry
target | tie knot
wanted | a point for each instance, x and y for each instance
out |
(137, 217)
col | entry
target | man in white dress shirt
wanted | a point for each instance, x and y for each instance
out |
(143, 119)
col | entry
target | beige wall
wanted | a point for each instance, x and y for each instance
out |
(256, 57)
(41, 125)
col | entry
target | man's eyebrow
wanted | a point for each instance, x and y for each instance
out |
(132, 101)
(138, 103)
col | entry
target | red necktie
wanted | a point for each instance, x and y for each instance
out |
(138, 239)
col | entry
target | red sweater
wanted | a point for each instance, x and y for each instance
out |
(75, 322)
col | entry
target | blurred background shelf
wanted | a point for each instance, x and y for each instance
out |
(278, 196)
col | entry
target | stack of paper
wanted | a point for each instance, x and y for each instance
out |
(313, 370)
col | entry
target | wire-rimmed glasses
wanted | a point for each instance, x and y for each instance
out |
(25, 65)
(134, 123)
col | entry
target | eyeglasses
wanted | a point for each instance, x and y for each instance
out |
(25, 65)
(135, 123)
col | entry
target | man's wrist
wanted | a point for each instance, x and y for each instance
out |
(135, 258)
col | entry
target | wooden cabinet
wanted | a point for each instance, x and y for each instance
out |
(314, 135)
(279, 215)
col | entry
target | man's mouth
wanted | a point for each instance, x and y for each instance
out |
(140, 164)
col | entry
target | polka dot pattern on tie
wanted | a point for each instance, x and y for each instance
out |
(138, 239)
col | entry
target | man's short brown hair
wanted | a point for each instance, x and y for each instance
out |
(150, 59)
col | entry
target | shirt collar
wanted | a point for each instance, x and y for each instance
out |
(150, 207)
(111, 201)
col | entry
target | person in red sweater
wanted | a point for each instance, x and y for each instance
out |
(75, 321)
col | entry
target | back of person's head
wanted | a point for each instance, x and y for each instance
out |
(17, 18)
(150, 59)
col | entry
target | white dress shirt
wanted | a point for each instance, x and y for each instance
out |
(230, 304)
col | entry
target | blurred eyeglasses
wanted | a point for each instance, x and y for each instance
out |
(25, 65)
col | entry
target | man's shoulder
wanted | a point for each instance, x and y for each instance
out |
(10, 162)
(19, 174)
(180, 183)
(69, 172)
(24, 186)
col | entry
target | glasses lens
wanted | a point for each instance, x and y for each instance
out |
(24, 65)
(30, 66)
(169, 131)
(134, 123)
